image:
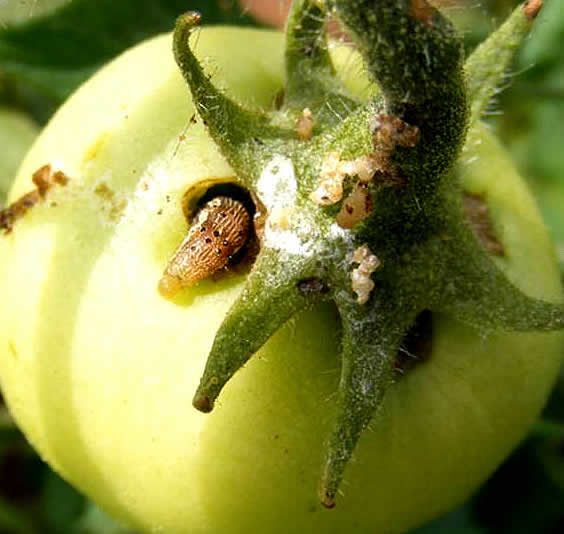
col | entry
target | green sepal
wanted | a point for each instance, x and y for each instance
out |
(478, 293)
(486, 68)
(238, 132)
(270, 297)
(372, 336)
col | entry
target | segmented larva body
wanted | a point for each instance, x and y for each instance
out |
(219, 230)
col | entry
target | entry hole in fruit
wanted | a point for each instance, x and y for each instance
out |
(417, 344)
(312, 286)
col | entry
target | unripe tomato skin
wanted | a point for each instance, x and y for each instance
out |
(99, 370)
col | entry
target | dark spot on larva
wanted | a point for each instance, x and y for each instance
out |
(216, 233)
(225, 243)
(202, 229)
(222, 214)
(208, 240)
(218, 252)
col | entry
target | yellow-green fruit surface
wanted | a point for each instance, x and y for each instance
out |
(99, 370)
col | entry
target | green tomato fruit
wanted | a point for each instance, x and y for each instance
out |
(99, 370)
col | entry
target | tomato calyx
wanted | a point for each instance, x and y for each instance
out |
(361, 197)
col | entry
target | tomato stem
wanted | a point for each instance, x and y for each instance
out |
(362, 197)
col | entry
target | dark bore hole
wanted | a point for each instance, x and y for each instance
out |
(312, 286)
(417, 344)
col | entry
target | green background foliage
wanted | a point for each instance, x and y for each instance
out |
(48, 47)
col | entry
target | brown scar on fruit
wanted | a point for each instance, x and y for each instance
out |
(305, 124)
(114, 206)
(532, 8)
(44, 179)
(478, 217)
(220, 229)
(422, 11)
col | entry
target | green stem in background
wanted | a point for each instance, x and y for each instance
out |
(488, 64)
(411, 249)
(311, 80)
(307, 56)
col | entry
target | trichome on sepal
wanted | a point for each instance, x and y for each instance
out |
(396, 156)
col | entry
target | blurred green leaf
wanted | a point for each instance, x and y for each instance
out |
(14, 11)
(61, 504)
(55, 53)
(13, 521)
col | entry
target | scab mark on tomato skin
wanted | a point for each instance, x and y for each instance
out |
(44, 180)
(220, 229)
(477, 215)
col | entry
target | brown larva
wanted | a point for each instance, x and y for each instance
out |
(219, 230)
